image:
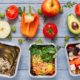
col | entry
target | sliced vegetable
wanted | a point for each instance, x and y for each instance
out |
(4, 29)
(50, 30)
(12, 12)
(77, 9)
(29, 24)
(2, 15)
(13, 29)
(20, 41)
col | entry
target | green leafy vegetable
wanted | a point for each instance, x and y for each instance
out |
(10, 36)
(47, 52)
(69, 4)
(21, 10)
(39, 40)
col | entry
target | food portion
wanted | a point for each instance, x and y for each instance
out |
(50, 30)
(73, 24)
(4, 29)
(77, 9)
(73, 51)
(8, 59)
(29, 24)
(50, 7)
(12, 12)
(43, 60)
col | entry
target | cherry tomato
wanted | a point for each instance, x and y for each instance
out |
(77, 9)
(50, 30)
(12, 12)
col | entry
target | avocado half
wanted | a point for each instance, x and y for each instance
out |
(73, 24)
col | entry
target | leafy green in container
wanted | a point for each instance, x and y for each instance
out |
(46, 52)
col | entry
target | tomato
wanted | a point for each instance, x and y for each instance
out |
(77, 9)
(50, 30)
(12, 12)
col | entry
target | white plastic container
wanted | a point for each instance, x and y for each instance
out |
(52, 76)
(17, 63)
(74, 42)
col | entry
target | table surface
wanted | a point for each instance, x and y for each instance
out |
(60, 21)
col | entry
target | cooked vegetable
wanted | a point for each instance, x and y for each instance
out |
(74, 57)
(43, 59)
(4, 29)
(12, 12)
(29, 24)
(8, 58)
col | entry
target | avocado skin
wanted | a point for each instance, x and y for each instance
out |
(76, 32)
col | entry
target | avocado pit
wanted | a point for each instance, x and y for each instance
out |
(75, 26)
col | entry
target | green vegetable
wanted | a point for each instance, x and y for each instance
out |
(47, 52)
(39, 11)
(10, 36)
(69, 4)
(20, 41)
(13, 28)
(61, 10)
(66, 39)
(76, 37)
(21, 10)
(39, 40)
(2, 15)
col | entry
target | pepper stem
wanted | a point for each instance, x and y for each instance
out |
(30, 10)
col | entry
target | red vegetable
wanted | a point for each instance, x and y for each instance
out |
(77, 9)
(50, 30)
(12, 12)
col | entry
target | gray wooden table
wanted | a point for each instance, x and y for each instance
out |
(60, 21)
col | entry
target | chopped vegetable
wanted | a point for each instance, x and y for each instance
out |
(2, 15)
(39, 40)
(20, 41)
(76, 37)
(42, 59)
(13, 28)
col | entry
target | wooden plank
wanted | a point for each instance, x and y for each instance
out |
(60, 21)
(61, 75)
(62, 62)
(33, 1)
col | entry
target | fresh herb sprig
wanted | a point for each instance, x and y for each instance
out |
(66, 39)
(69, 4)
(21, 10)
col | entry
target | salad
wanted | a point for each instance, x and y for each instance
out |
(73, 51)
(42, 60)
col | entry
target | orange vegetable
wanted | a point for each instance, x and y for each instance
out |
(29, 24)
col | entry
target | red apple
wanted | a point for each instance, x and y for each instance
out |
(50, 7)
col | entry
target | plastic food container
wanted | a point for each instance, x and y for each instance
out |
(16, 61)
(71, 43)
(42, 76)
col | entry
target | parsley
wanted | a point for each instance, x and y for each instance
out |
(69, 4)
(47, 52)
